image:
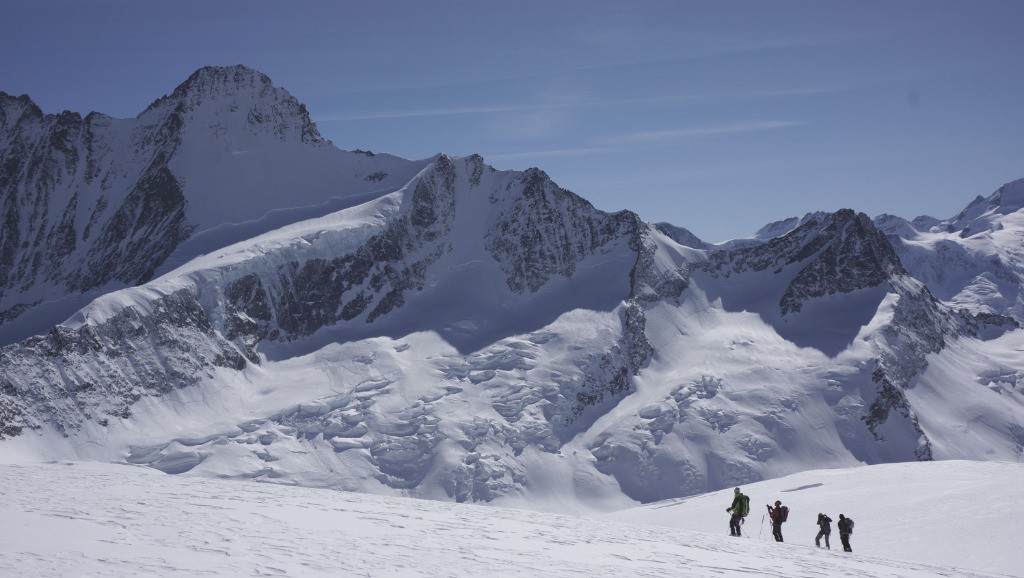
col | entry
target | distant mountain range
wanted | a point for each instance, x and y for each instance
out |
(212, 288)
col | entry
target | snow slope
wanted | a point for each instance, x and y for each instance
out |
(948, 513)
(104, 519)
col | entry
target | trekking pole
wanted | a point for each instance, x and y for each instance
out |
(762, 527)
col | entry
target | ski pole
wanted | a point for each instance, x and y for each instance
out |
(762, 527)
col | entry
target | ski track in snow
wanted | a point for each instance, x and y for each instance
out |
(87, 518)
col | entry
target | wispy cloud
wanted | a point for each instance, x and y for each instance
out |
(695, 97)
(689, 133)
(627, 141)
(410, 113)
(554, 153)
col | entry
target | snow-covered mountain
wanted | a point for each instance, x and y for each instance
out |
(469, 334)
(95, 204)
(974, 260)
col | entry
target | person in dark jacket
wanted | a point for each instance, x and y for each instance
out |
(739, 509)
(777, 516)
(845, 526)
(824, 529)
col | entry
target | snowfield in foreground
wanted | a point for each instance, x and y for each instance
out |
(947, 513)
(87, 518)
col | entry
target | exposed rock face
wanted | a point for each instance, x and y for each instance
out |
(850, 254)
(97, 372)
(836, 253)
(547, 231)
(299, 298)
(49, 228)
(651, 283)
(681, 236)
(540, 231)
(72, 201)
(269, 109)
(605, 379)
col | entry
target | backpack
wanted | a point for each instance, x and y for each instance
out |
(846, 525)
(744, 506)
(784, 514)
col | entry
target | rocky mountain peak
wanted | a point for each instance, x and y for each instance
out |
(847, 253)
(212, 78)
(1010, 197)
(545, 231)
(216, 82)
(682, 236)
(835, 253)
(982, 213)
(13, 108)
(218, 94)
(779, 228)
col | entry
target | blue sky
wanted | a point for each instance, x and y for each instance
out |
(716, 116)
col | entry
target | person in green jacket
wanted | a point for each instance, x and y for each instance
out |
(739, 509)
(845, 526)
